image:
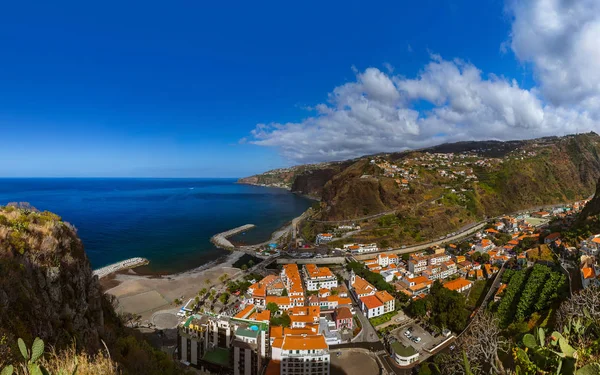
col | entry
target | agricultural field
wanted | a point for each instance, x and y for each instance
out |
(529, 291)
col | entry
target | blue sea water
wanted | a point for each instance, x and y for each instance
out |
(168, 221)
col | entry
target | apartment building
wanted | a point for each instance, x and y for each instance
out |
(290, 276)
(316, 277)
(302, 354)
(222, 344)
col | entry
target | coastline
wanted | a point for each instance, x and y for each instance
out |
(148, 294)
(309, 197)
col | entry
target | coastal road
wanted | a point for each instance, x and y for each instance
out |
(462, 233)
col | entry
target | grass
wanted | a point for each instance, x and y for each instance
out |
(542, 253)
(478, 290)
(382, 318)
(64, 362)
(403, 351)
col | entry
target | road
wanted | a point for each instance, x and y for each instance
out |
(463, 232)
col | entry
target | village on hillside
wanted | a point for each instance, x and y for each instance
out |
(304, 313)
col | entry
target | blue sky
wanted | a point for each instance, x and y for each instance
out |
(169, 89)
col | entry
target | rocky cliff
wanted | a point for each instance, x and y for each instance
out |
(46, 284)
(592, 208)
(47, 290)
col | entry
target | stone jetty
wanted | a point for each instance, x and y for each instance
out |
(220, 240)
(119, 266)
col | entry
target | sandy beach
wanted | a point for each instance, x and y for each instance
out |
(145, 295)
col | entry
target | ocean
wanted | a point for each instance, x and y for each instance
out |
(168, 221)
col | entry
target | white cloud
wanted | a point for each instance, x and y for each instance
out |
(561, 39)
(380, 112)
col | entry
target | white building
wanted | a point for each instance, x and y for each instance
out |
(317, 278)
(204, 336)
(324, 238)
(303, 354)
(361, 248)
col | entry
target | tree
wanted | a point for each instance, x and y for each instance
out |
(272, 307)
(244, 267)
(177, 301)
(250, 263)
(481, 343)
(285, 292)
(207, 281)
(283, 320)
(202, 292)
(224, 297)
(417, 308)
(485, 257)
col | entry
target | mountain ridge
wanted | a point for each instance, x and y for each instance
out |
(438, 189)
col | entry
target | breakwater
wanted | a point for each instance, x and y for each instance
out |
(220, 240)
(119, 266)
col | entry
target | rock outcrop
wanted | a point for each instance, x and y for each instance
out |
(46, 284)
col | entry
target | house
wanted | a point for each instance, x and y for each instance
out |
(361, 248)
(552, 237)
(403, 355)
(389, 302)
(490, 270)
(301, 316)
(343, 318)
(589, 276)
(283, 302)
(259, 290)
(591, 246)
(361, 287)
(290, 276)
(323, 238)
(414, 287)
(459, 285)
(484, 245)
(371, 306)
(498, 294)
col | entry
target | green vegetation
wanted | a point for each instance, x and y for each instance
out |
(283, 320)
(478, 290)
(238, 286)
(382, 318)
(555, 354)
(447, 308)
(272, 307)
(224, 298)
(529, 291)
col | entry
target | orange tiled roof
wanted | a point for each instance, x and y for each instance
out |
(371, 302)
(245, 312)
(588, 272)
(304, 342)
(278, 300)
(362, 286)
(276, 332)
(456, 284)
(384, 296)
(263, 316)
(343, 313)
